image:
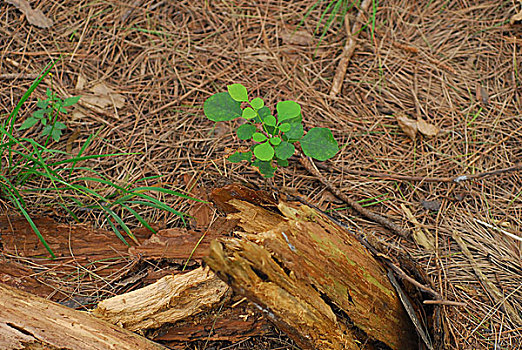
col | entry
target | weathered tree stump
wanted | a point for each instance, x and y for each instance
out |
(311, 277)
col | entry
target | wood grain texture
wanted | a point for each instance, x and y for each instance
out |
(312, 278)
(30, 322)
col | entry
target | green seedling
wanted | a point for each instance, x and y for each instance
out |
(273, 136)
(48, 113)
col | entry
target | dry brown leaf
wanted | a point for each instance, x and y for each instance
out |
(426, 128)
(421, 236)
(80, 83)
(482, 95)
(299, 37)
(34, 17)
(409, 126)
(103, 97)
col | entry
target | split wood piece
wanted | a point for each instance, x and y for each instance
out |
(170, 299)
(178, 243)
(30, 322)
(78, 240)
(349, 47)
(300, 267)
(22, 277)
(232, 324)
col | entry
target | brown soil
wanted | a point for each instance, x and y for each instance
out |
(454, 64)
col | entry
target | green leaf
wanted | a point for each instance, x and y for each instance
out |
(285, 127)
(265, 168)
(56, 133)
(249, 113)
(287, 110)
(282, 162)
(245, 131)
(238, 157)
(275, 140)
(263, 113)
(284, 150)
(49, 93)
(221, 107)
(270, 120)
(42, 104)
(59, 126)
(264, 151)
(296, 131)
(319, 144)
(238, 92)
(69, 101)
(28, 123)
(258, 137)
(39, 114)
(257, 103)
(47, 130)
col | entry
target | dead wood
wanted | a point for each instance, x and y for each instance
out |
(313, 279)
(31, 322)
(170, 299)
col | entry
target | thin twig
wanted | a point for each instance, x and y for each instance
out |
(396, 177)
(10, 76)
(310, 166)
(349, 47)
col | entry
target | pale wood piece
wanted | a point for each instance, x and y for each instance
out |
(30, 322)
(170, 299)
(299, 267)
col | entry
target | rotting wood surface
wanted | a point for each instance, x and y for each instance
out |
(169, 300)
(31, 322)
(313, 279)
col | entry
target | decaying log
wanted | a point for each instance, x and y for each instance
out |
(30, 322)
(312, 278)
(232, 324)
(170, 299)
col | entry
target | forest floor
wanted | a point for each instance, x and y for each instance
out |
(455, 65)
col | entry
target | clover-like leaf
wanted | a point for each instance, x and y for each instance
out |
(221, 107)
(249, 113)
(238, 92)
(270, 120)
(319, 144)
(245, 131)
(282, 162)
(263, 113)
(296, 131)
(287, 110)
(284, 150)
(264, 151)
(239, 156)
(258, 137)
(276, 140)
(257, 103)
(285, 127)
(265, 167)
